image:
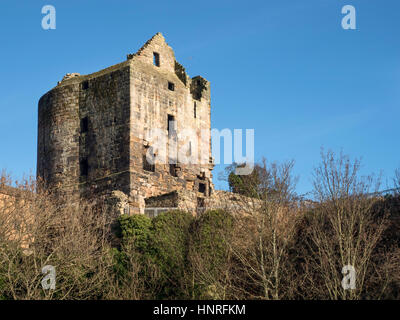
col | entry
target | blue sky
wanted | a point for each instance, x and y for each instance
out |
(285, 68)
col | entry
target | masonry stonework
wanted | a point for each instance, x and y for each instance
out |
(93, 132)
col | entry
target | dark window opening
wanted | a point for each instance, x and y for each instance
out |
(84, 125)
(127, 209)
(202, 188)
(85, 85)
(195, 110)
(84, 167)
(171, 125)
(147, 166)
(171, 86)
(173, 170)
(156, 59)
(190, 148)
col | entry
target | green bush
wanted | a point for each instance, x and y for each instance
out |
(161, 246)
(135, 233)
(211, 231)
(170, 246)
(135, 230)
(210, 253)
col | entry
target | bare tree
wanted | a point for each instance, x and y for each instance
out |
(37, 229)
(396, 181)
(210, 255)
(265, 230)
(344, 231)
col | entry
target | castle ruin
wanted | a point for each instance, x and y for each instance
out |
(92, 133)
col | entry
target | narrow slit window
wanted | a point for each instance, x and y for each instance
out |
(84, 167)
(171, 86)
(195, 110)
(84, 125)
(156, 59)
(171, 125)
(127, 210)
(147, 166)
(202, 188)
(172, 170)
(85, 85)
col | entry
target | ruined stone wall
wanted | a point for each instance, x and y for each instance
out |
(15, 214)
(7, 201)
(105, 145)
(58, 137)
(233, 202)
(12, 199)
(151, 103)
(64, 146)
(93, 129)
(195, 203)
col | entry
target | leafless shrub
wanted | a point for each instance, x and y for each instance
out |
(264, 229)
(396, 181)
(210, 256)
(269, 245)
(343, 229)
(37, 229)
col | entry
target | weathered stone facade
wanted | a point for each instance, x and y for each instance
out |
(93, 131)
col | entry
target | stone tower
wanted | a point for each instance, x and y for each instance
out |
(94, 132)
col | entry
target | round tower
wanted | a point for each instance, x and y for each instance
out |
(58, 137)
